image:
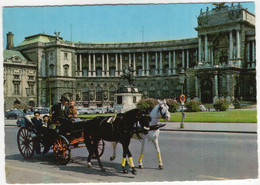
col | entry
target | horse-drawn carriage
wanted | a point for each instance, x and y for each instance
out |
(54, 138)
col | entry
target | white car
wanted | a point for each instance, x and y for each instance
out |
(98, 111)
(84, 111)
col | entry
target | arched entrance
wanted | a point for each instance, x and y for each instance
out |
(31, 103)
(206, 91)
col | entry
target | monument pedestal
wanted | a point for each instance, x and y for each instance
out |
(126, 101)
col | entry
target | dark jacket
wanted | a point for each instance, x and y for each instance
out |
(37, 123)
(56, 111)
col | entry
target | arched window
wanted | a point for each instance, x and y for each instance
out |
(152, 70)
(165, 69)
(112, 93)
(112, 71)
(51, 71)
(99, 94)
(139, 70)
(99, 71)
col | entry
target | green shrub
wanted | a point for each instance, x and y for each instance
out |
(147, 104)
(221, 105)
(172, 104)
(193, 106)
(236, 104)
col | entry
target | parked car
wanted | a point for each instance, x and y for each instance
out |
(14, 114)
(98, 110)
(84, 111)
(42, 110)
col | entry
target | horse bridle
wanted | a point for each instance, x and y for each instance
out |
(162, 114)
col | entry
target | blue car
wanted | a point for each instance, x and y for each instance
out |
(14, 114)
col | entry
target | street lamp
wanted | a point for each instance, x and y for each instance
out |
(181, 81)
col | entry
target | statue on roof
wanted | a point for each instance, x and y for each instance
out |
(57, 35)
(219, 6)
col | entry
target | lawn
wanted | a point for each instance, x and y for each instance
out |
(236, 116)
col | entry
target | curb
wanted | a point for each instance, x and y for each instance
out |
(219, 131)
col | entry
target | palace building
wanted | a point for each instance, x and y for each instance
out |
(219, 63)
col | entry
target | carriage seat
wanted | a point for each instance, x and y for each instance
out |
(28, 118)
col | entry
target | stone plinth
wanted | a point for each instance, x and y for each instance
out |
(126, 101)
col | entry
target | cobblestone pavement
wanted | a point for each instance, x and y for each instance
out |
(187, 156)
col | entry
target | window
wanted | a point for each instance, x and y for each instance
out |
(16, 76)
(31, 77)
(65, 56)
(16, 88)
(66, 70)
(51, 72)
(31, 87)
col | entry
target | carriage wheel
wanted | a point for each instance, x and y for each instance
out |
(61, 150)
(25, 143)
(101, 147)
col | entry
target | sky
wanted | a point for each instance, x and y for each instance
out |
(106, 23)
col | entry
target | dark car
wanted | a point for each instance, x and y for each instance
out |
(14, 114)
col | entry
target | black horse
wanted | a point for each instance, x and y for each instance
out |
(120, 130)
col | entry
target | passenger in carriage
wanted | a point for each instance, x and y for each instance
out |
(72, 110)
(37, 121)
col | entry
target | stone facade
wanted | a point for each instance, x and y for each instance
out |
(19, 81)
(220, 63)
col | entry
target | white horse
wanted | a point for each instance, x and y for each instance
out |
(159, 111)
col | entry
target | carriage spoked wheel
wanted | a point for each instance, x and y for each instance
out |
(101, 147)
(25, 143)
(61, 149)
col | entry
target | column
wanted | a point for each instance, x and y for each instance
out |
(188, 87)
(238, 44)
(230, 45)
(187, 59)
(212, 56)
(216, 85)
(197, 56)
(173, 63)
(107, 66)
(253, 54)
(253, 51)
(116, 59)
(121, 65)
(134, 67)
(206, 49)
(200, 48)
(147, 64)
(80, 65)
(156, 63)
(94, 65)
(143, 70)
(170, 64)
(89, 65)
(129, 60)
(161, 63)
(183, 61)
(196, 87)
(103, 65)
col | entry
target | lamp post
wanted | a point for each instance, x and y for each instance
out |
(181, 81)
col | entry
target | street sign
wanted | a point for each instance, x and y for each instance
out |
(182, 98)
